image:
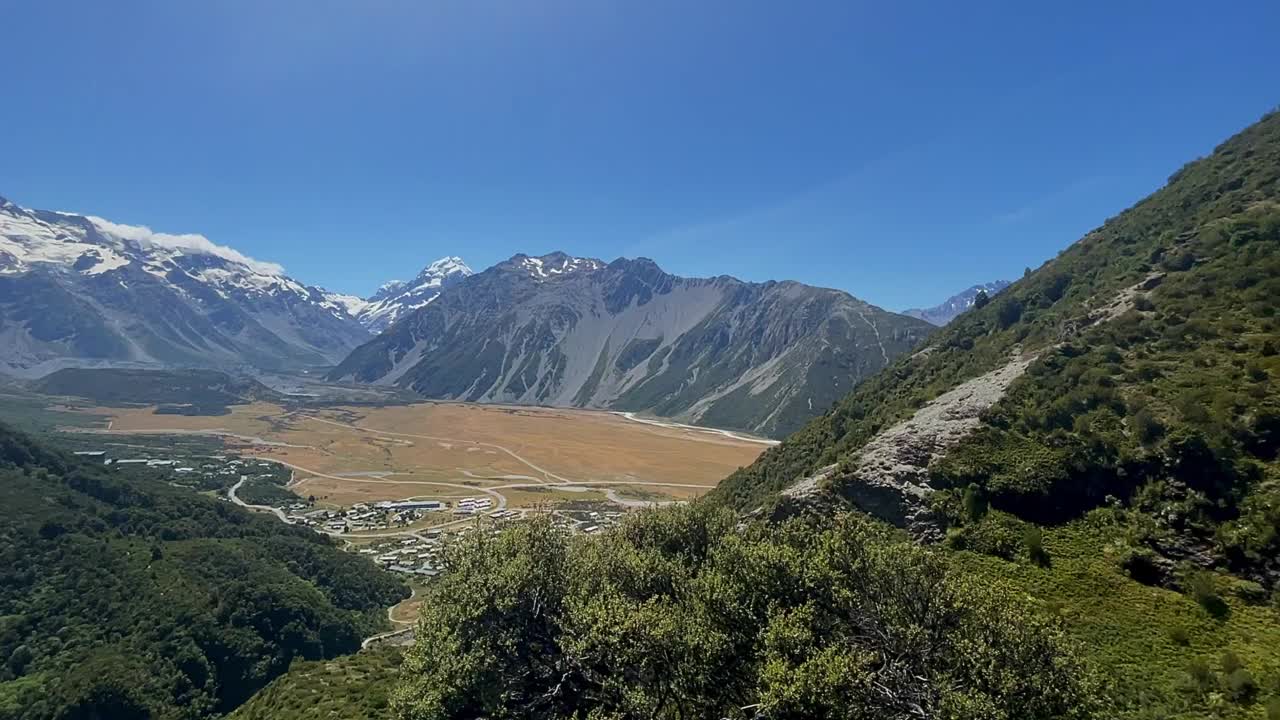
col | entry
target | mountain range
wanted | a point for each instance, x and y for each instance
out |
(952, 307)
(78, 289)
(570, 331)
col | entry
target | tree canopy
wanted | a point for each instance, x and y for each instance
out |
(681, 614)
(121, 596)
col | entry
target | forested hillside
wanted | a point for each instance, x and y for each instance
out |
(1110, 425)
(122, 597)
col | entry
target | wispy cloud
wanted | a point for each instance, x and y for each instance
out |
(188, 242)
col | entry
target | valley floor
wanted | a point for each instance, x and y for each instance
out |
(521, 458)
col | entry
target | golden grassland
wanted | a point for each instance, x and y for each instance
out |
(345, 455)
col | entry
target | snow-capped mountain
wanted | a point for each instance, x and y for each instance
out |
(560, 330)
(397, 297)
(78, 290)
(956, 304)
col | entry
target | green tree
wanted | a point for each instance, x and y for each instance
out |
(681, 613)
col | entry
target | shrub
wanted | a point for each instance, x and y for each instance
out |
(1203, 586)
(1200, 678)
(1033, 540)
(679, 614)
(1146, 426)
(1140, 564)
(1239, 685)
(1180, 636)
(975, 503)
(1251, 592)
(1273, 709)
(1009, 312)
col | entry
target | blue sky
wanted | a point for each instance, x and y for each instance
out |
(900, 151)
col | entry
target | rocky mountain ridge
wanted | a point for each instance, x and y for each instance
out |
(568, 331)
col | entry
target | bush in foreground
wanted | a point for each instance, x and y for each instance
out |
(679, 613)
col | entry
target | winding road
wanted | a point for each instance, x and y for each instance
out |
(231, 495)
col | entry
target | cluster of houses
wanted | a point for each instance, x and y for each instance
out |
(416, 555)
(587, 522)
(363, 517)
(206, 470)
(472, 506)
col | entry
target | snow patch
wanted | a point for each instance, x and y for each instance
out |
(194, 243)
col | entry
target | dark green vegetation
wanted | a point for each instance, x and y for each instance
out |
(356, 687)
(678, 614)
(122, 596)
(36, 413)
(266, 487)
(185, 392)
(1132, 471)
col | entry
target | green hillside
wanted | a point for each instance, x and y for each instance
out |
(1178, 387)
(1128, 479)
(125, 597)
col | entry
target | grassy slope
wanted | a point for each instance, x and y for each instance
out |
(1144, 638)
(355, 687)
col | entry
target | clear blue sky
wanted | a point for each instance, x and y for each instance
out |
(897, 150)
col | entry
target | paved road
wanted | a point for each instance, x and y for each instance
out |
(617, 499)
(231, 495)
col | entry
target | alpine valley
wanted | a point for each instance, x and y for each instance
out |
(82, 291)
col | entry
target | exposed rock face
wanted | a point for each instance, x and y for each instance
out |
(559, 330)
(78, 290)
(890, 478)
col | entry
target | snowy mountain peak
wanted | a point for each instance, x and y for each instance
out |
(128, 293)
(956, 304)
(441, 271)
(396, 297)
(552, 265)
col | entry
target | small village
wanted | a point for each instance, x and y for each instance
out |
(403, 536)
(419, 554)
